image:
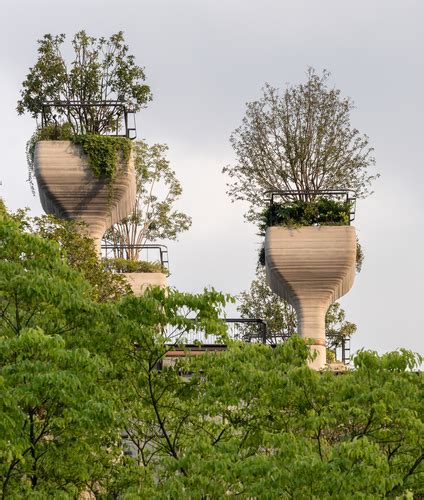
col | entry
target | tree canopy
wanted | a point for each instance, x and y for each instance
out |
(154, 216)
(83, 383)
(300, 139)
(101, 70)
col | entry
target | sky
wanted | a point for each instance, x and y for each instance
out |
(204, 60)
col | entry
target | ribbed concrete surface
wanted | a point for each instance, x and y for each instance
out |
(140, 281)
(311, 267)
(69, 190)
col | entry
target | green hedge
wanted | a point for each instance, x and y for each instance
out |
(134, 266)
(319, 212)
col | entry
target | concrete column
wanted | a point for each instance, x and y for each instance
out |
(311, 267)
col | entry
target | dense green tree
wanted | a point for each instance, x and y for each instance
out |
(251, 421)
(256, 422)
(53, 409)
(79, 251)
(68, 362)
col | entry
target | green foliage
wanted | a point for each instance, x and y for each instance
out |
(78, 250)
(54, 132)
(53, 410)
(102, 70)
(359, 256)
(67, 364)
(256, 422)
(105, 153)
(134, 266)
(318, 212)
(248, 422)
(154, 216)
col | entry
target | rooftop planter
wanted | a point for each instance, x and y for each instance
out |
(139, 274)
(89, 178)
(310, 260)
(81, 154)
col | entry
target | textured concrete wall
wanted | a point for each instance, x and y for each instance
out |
(69, 190)
(140, 281)
(311, 267)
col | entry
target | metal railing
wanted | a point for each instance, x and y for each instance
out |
(250, 330)
(343, 195)
(124, 115)
(147, 252)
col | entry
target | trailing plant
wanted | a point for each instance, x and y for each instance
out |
(120, 265)
(104, 153)
(359, 256)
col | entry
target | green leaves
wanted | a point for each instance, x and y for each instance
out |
(318, 212)
(250, 421)
(298, 139)
(134, 266)
(260, 423)
(101, 70)
(105, 153)
(154, 216)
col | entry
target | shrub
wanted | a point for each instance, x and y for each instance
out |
(134, 266)
(319, 212)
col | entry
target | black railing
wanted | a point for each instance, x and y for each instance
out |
(343, 195)
(147, 252)
(124, 115)
(250, 330)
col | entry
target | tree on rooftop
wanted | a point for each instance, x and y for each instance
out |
(101, 70)
(300, 139)
(154, 216)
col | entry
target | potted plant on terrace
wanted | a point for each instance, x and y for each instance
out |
(154, 217)
(299, 144)
(81, 151)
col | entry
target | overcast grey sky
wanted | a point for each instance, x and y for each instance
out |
(204, 60)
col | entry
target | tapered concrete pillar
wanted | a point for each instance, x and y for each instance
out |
(311, 267)
(69, 190)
